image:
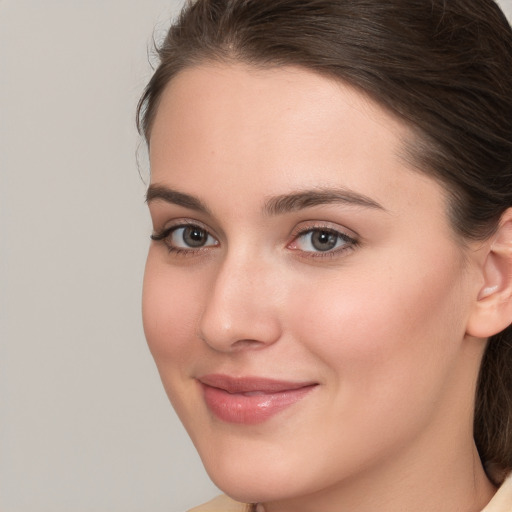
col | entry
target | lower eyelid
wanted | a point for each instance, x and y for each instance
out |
(166, 235)
(350, 242)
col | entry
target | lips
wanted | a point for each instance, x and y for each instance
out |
(250, 400)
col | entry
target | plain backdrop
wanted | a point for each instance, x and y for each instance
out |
(84, 423)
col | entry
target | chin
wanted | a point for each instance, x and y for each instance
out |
(251, 487)
(263, 477)
(250, 480)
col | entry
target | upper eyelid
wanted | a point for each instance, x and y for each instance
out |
(167, 232)
(299, 229)
(354, 240)
(308, 226)
(183, 222)
(350, 243)
(170, 223)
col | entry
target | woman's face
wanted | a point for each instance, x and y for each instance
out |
(306, 300)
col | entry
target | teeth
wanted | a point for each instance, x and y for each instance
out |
(253, 393)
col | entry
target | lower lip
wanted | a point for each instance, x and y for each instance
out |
(250, 409)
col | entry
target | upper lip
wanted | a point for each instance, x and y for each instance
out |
(250, 384)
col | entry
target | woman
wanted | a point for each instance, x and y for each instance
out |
(330, 278)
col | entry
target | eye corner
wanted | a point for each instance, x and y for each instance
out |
(185, 237)
(322, 240)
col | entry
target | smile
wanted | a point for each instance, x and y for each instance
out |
(250, 400)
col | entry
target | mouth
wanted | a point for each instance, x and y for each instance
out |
(250, 400)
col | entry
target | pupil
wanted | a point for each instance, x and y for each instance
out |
(194, 236)
(323, 240)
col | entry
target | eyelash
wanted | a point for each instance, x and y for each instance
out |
(164, 235)
(349, 241)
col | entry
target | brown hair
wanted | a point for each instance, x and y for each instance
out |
(444, 66)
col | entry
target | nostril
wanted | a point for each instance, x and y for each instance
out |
(248, 335)
(243, 344)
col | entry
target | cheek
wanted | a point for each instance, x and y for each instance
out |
(386, 329)
(170, 305)
(387, 343)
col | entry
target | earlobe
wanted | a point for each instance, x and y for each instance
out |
(492, 311)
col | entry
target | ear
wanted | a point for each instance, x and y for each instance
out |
(492, 311)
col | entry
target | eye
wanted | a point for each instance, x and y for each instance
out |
(190, 237)
(322, 240)
(187, 237)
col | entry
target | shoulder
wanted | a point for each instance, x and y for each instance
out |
(502, 501)
(220, 504)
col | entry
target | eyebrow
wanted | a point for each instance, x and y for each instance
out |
(308, 198)
(277, 205)
(160, 192)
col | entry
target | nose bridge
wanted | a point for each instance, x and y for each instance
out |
(240, 307)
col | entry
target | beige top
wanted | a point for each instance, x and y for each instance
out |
(221, 504)
(502, 502)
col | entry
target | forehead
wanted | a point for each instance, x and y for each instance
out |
(275, 129)
(290, 99)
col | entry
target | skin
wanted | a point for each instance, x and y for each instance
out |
(381, 325)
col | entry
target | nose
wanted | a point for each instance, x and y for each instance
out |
(241, 308)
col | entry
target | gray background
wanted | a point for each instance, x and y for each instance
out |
(84, 423)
